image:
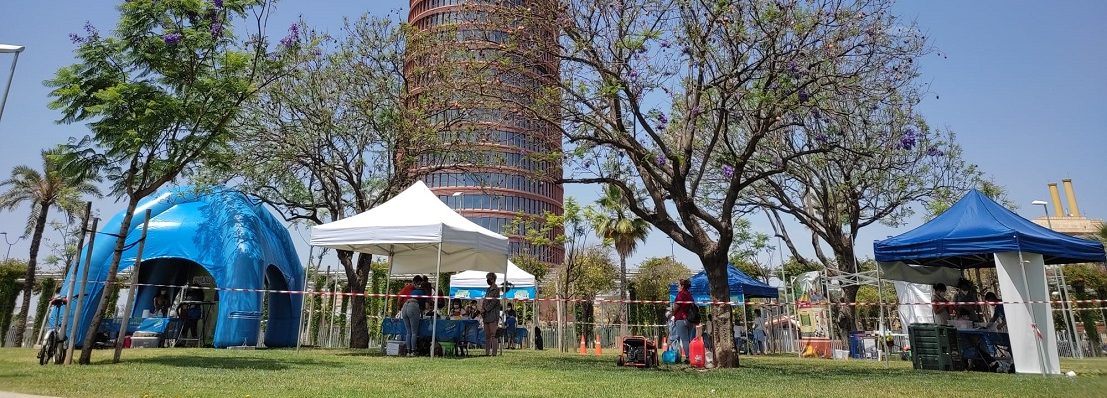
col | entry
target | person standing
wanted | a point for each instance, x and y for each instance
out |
(490, 315)
(405, 292)
(943, 309)
(758, 332)
(412, 314)
(844, 320)
(682, 307)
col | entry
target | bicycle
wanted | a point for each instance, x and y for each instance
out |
(53, 342)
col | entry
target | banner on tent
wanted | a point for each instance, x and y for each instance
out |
(814, 322)
(512, 294)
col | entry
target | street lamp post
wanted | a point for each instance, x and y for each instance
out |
(10, 244)
(1063, 289)
(9, 49)
(460, 200)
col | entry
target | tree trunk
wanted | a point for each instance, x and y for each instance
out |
(623, 294)
(847, 263)
(29, 277)
(117, 255)
(356, 282)
(716, 267)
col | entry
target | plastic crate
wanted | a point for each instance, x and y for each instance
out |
(946, 362)
(932, 339)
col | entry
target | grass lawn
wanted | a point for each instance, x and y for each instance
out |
(326, 373)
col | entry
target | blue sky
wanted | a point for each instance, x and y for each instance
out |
(1022, 83)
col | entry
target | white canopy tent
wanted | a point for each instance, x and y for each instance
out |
(420, 235)
(518, 280)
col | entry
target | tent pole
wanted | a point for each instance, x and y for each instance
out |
(129, 306)
(387, 301)
(81, 291)
(71, 274)
(434, 318)
(880, 300)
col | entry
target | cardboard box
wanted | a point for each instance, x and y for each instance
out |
(144, 342)
(395, 348)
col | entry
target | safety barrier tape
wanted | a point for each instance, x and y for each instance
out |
(599, 300)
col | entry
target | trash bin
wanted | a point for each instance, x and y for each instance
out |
(856, 345)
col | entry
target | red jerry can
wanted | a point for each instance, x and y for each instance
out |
(696, 355)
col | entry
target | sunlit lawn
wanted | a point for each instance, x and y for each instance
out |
(265, 373)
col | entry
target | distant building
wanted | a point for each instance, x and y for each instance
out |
(507, 162)
(1070, 222)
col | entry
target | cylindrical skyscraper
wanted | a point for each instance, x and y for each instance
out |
(475, 68)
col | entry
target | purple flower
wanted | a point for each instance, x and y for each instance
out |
(172, 38)
(665, 44)
(909, 139)
(934, 151)
(633, 74)
(803, 95)
(793, 68)
(217, 29)
(217, 3)
(293, 36)
(587, 163)
(91, 30)
(697, 110)
(660, 159)
(728, 171)
(75, 38)
(822, 138)
(815, 114)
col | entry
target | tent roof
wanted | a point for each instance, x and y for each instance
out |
(476, 279)
(966, 236)
(739, 283)
(410, 227)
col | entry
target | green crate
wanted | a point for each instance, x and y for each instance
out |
(945, 362)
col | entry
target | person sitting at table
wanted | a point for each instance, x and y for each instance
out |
(412, 314)
(161, 303)
(966, 300)
(511, 321)
(942, 308)
(455, 311)
(999, 316)
(471, 311)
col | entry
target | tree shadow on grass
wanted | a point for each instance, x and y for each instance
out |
(208, 362)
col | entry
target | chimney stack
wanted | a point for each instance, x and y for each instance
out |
(1071, 196)
(1055, 198)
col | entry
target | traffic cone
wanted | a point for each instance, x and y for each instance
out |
(599, 348)
(583, 347)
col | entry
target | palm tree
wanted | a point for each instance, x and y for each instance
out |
(55, 187)
(621, 229)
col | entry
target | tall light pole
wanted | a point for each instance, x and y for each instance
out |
(1063, 290)
(5, 49)
(460, 200)
(10, 244)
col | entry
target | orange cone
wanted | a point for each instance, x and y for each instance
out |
(599, 348)
(583, 347)
(665, 344)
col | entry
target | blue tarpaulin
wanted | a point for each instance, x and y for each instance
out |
(966, 236)
(235, 240)
(742, 286)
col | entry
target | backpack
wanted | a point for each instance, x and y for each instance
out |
(694, 315)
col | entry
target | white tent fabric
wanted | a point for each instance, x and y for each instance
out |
(476, 279)
(914, 293)
(410, 228)
(1030, 324)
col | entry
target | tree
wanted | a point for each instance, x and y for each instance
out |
(10, 271)
(1082, 278)
(55, 187)
(159, 94)
(593, 273)
(684, 105)
(624, 232)
(652, 282)
(335, 136)
(886, 160)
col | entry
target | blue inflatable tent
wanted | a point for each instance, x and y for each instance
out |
(211, 237)
(742, 286)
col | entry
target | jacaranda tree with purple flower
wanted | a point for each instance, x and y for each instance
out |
(738, 82)
(158, 95)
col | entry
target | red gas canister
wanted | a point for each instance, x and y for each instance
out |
(696, 356)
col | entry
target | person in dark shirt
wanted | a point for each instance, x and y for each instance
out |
(511, 322)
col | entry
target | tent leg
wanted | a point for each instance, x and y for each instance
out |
(880, 324)
(303, 300)
(434, 319)
(1030, 307)
(384, 306)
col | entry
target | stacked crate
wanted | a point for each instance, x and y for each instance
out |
(934, 347)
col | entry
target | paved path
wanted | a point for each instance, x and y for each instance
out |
(5, 394)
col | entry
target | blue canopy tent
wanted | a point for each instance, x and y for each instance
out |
(977, 232)
(236, 242)
(742, 286)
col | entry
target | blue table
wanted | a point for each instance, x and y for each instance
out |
(448, 329)
(972, 341)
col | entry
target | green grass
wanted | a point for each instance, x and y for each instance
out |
(268, 373)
